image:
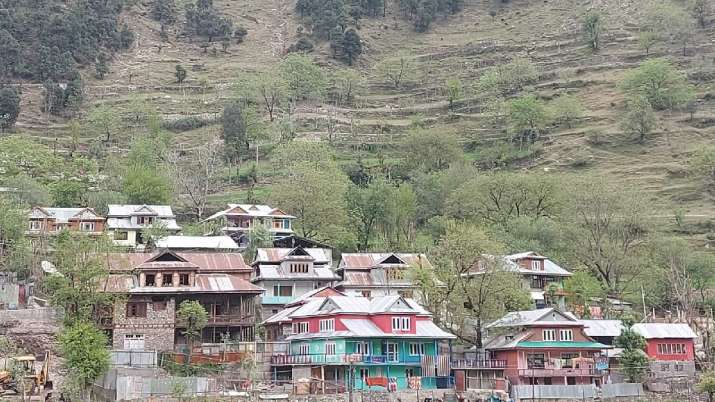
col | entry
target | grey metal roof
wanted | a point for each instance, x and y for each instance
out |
(254, 210)
(197, 242)
(276, 255)
(665, 330)
(606, 328)
(126, 223)
(281, 316)
(364, 328)
(531, 317)
(510, 263)
(121, 210)
(63, 215)
(360, 305)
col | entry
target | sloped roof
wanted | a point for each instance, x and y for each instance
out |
(197, 242)
(276, 272)
(281, 316)
(277, 255)
(325, 291)
(126, 223)
(526, 318)
(510, 263)
(366, 261)
(214, 262)
(255, 210)
(123, 210)
(64, 215)
(359, 305)
(365, 328)
(604, 328)
(664, 330)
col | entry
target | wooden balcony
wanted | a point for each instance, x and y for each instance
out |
(223, 320)
(479, 364)
(562, 372)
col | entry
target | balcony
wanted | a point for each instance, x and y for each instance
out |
(223, 320)
(343, 359)
(479, 364)
(562, 372)
(276, 299)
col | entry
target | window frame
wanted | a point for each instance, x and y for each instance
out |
(330, 347)
(326, 325)
(551, 337)
(86, 226)
(568, 332)
(136, 310)
(303, 349)
(400, 323)
(417, 349)
(124, 235)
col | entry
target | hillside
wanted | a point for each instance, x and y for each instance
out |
(463, 46)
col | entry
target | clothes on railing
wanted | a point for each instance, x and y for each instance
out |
(376, 381)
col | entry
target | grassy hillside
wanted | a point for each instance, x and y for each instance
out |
(463, 46)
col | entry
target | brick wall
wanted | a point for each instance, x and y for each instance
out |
(157, 327)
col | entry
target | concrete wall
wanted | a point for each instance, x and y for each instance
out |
(158, 326)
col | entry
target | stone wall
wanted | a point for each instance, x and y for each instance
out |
(157, 327)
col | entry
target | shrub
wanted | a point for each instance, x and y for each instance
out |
(186, 123)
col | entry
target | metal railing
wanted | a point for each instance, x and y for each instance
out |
(344, 359)
(562, 372)
(486, 364)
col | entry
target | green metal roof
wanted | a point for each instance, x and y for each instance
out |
(561, 344)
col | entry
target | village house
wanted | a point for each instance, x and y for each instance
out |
(379, 274)
(238, 220)
(278, 326)
(287, 274)
(670, 348)
(154, 285)
(385, 341)
(543, 278)
(544, 347)
(197, 243)
(50, 221)
(125, 223)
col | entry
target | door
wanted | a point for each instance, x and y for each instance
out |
(570, 380)
(391, 352)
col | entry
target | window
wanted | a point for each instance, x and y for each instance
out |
(365, 293)
(183, 279)
(664, 367)
(303, 349)
(281, 224)
(567, 359)
(300, 327)
(535, 265)
(392, 352)
(317, 285)
(145, 220)
(137, 310)
(566, 335)
(327, 325)
(35, 225)
(400, 323)
(549, 334)
(417, 349)
(679, 367)
(538, 282)
(121, 235)
(298, 268)
(409, 372)
(159, 305)
(407, 294)
(362, 348)
(274, 311)
(150, 280)
(86, 226)
(535, 360)
(395, 274)
(167, 280)
(134, 341)
(330, 348)
(283, 290)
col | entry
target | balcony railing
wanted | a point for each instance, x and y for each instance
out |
(562, 372)
(479, 364)
(223, 320)
(344, 359)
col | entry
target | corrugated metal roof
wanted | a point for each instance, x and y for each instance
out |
(126, 223)
(325, 291)
(360, 305)
(63, 215)
(510, 263)
(428, 329)
(370, 260)
(530, 317)
(254, 210)
(665, 330)
(277, 255)
(216, 262)
(197, 242)
(606, 328)
(121, 210)
(205, 283)
(276, 272)
(281, 316)
(362, 328)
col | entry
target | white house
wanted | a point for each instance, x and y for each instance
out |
(125, 223)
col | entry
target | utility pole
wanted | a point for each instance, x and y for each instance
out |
(645, 314)
(350, 380)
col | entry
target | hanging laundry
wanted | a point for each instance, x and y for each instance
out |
(376, 381)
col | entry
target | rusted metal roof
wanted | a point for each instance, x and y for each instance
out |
(366, 261)
(213, 262)
(118, 283)
(277, 255)
(205, 283)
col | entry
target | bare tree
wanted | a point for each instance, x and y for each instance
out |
(196, 173)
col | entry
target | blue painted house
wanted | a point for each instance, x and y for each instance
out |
(361, 342)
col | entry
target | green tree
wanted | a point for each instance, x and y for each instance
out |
(527, 113)
(592, 28)
(346, 84)
(103, 121)
(81, 273)
(304, 78)
(639, 119)
(9, 107)
(14, 246)
(164, 11)
(69, 193)
(647, 39)
(10, 49)
(258, 237)
(350, 46)
(369, 208)
(671, 21)
(315, 194)
(154, 233)
(660, 83)
(180, 73)
(508, 78)
(429, 151)
(633, 360)
(192, 317)
(84, 348)
(101, 68)
(398, 70)
(566, 109)
(142, 185)
(581, 288)
(242, 126)
(701, 9)
(267, 88)
(702, 163)
(454, 90)
(465, 306)
(203, 19)
(706, 384)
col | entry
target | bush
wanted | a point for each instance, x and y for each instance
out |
(508, 78)
(186, 123)
(303, 45)
(502, 154)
